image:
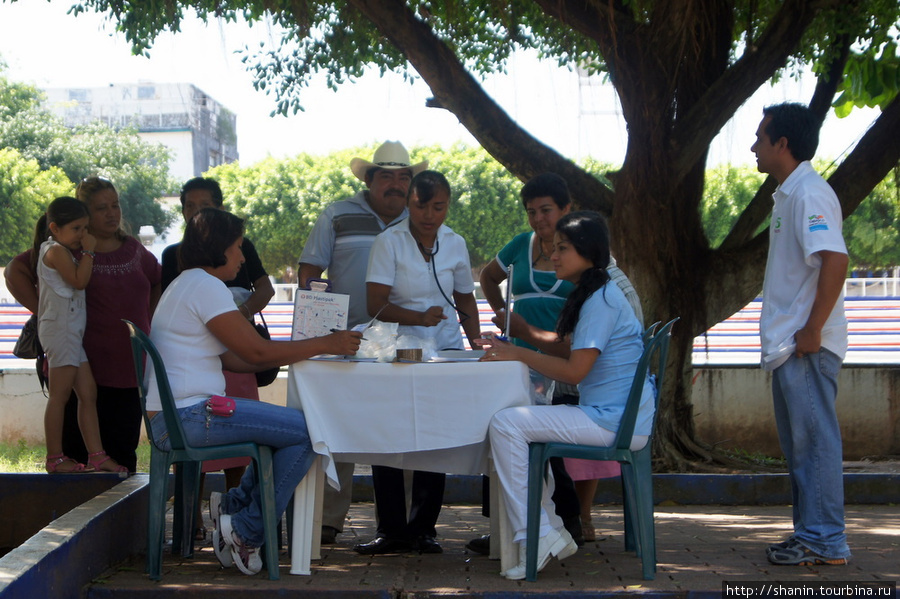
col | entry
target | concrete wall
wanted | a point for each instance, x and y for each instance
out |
(732, 409)
(22, 404)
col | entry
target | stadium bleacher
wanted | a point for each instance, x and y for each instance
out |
(874, 327)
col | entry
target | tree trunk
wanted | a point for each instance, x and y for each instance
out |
(677, 90)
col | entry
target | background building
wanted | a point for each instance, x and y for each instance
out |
(200, 132)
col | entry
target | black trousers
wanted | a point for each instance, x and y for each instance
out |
(390, 502)
(119, 415)
(564, 497)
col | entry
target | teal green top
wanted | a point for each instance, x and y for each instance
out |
(538, 296)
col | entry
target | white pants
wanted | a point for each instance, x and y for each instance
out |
(513, 429)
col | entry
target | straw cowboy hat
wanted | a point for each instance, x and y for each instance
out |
(390, 155)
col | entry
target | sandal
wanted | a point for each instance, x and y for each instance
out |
(53, 463)
(588, 532)
(97, 459)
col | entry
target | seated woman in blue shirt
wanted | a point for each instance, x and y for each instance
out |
(605, 341)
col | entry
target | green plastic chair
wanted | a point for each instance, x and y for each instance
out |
(187, 474)
(637, 475)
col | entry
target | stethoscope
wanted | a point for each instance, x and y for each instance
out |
(431, 254)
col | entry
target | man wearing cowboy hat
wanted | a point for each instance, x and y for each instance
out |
(340, 242)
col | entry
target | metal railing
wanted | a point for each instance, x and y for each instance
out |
(872, 287)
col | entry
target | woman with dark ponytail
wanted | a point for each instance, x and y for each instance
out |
(604, 337)
(588, 234)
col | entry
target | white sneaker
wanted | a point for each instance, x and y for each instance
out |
(247, 559)
(557, 542)
(570, 547)
(220, 542)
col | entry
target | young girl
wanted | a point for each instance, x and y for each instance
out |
(61, 323)
(605, 346)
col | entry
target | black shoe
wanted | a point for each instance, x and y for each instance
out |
(382, 545)
(480, 545)
(573, 525)
(329, 535)
(427, 544)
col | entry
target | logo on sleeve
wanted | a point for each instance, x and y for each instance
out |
(817, 222)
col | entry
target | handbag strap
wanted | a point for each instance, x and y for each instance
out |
(252, 290)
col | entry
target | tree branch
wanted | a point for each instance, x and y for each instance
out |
(870, 161)
(623, 43)
(455, 89)
(696, 130)
(761, 205)
(606, 22)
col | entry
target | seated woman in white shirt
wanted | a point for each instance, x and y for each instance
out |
(419, 276)
(198, 330)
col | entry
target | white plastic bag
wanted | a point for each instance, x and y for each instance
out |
(380, 341)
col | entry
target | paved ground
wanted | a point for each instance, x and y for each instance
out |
(699, 547)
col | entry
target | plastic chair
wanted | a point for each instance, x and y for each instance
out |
(187, 474)
(637, 479)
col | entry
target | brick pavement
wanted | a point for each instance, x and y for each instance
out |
(698, 548)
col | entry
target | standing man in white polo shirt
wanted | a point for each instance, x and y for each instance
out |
(339, 243)
(803, 330)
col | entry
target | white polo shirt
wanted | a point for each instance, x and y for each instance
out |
(806, 219)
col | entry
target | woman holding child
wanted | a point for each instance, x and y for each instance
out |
(124, 283)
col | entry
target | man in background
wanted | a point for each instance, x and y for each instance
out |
(340, 242)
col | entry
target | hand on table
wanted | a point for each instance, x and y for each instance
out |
(496, 350)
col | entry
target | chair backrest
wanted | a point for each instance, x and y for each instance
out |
(648, 334)
(657, 344)
(141, 345)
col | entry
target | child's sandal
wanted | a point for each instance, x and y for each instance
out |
(53, 463)
(97, 459)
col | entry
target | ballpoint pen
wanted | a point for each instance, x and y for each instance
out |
(339, 330)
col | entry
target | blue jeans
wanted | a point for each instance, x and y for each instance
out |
(283, 429)
(804, 392)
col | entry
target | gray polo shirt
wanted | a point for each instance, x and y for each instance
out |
(340, 242)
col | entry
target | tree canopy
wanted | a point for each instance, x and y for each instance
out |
(872, 232)
(139, 170)
(24, 192)
(680, 70)
(282, 198)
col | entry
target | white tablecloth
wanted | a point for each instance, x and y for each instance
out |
(422, 416)
(426, 416)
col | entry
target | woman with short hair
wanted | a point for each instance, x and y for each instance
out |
(198, 330)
